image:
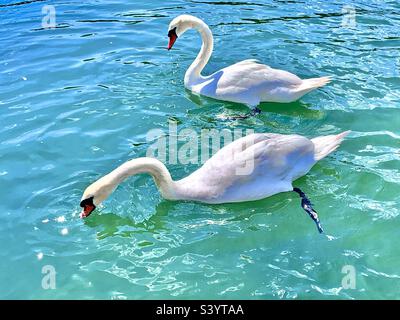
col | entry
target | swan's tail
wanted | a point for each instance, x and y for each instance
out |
(326, 144)
(313, 83)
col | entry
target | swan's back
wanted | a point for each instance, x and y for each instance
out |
(251, 167)
(249, 73)
(249, 82)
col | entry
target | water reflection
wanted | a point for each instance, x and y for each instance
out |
(294, 109)
(111, 224)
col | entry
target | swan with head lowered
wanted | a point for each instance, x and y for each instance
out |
(250, 168)
(248, 82)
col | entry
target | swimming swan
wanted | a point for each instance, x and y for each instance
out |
(248, 82)
(250, 168)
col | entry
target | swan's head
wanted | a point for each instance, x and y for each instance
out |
(180, 25)
(95, 194)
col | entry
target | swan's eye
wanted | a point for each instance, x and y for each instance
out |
(172, 32)
(88, 201)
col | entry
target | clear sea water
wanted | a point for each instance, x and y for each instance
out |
(79, 99)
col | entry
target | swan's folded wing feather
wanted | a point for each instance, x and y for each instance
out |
(275, 156)
(250, 74)
(247, 61)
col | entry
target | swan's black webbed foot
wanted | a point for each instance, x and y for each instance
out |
(254, 112)
(307, 206)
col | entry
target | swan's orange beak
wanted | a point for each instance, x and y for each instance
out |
(87, 210)
(172, 38)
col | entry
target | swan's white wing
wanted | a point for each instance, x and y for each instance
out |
(272, 155)
(249, 82)
(248, 61)
(255, 71)
(252, 167)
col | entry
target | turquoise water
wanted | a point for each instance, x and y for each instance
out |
(78, 100)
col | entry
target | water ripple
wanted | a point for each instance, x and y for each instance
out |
(78, 99)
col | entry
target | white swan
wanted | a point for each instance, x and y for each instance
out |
(247, 82)
(250, 168)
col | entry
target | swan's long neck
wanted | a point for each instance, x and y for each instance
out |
(151, 166)
(193, 74)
